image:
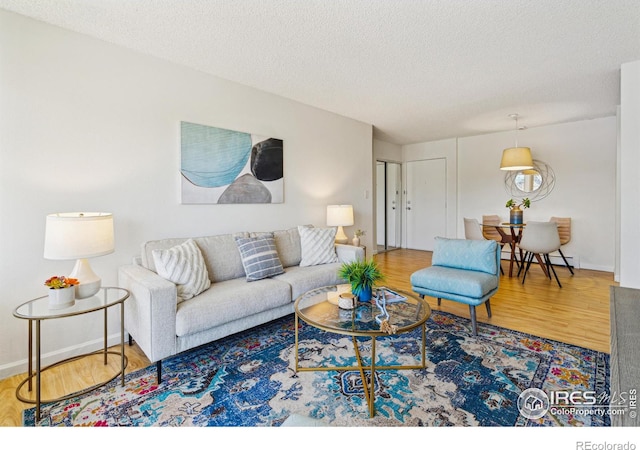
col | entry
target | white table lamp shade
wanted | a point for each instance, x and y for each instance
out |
(339, 216)
(80, 236)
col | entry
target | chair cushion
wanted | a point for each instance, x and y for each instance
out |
(450, 282)
(466, 254)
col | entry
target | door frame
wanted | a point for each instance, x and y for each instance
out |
(400, 228)
(447, 149)
(406, 206)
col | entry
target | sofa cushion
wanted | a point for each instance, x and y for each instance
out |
(317, 245)
(230, 300)
(459, 282)
(287, 244)
(303, 279)
(183, 265)
(259, 257)
(220, 252)
(466, 254)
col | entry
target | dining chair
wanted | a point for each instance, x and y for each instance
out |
(564, 230)
(489, 231)
(538, 240)
(473, 230)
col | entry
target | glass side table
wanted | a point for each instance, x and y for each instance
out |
(38, 310)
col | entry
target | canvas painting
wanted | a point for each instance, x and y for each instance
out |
(222, 166)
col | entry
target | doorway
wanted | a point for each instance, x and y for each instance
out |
(388, 201)
(426, 202)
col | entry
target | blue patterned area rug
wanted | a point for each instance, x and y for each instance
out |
(247, 380)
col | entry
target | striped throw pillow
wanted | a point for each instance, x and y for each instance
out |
(317, 246)
(259, 257)
(184, 266)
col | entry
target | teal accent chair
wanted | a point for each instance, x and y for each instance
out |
(462, 270)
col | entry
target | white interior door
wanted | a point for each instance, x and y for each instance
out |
(426, 202)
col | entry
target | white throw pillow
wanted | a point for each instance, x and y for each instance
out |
(317, 246)
(184, 266)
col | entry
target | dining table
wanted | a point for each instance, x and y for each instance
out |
(512, 238)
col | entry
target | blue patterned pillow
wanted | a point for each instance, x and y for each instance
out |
(466, 254)
(259, 257)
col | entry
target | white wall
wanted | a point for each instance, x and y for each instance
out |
(86, 125)
(629, 179)
(582, 155)
(386, 151)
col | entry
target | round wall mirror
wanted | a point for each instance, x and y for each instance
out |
(528, 180)
(534, 183)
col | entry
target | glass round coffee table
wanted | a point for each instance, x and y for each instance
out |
(319, 308)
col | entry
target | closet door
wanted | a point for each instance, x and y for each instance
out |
(426, 202)
(394, 211)
(388, 208)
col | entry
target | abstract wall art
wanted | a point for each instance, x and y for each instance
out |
(225, 166)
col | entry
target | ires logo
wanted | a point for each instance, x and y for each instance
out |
(534, 403)
(573, 398)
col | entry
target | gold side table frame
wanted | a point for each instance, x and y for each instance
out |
(424, 313)
(36, 311)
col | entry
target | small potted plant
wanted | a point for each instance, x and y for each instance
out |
(515, 213)
(361, 275)
(62, 291)
(356, 238)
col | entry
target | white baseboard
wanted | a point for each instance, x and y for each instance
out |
(21, 366)
(574, 261)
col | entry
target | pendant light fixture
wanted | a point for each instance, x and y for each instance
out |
(516, 158)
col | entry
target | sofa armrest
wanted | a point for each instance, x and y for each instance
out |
(150, 310)
(348, 253)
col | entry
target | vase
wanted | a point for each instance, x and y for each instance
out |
(346, 301)
(364, 294)
(356, 241)
(515, 215)
(62, 298)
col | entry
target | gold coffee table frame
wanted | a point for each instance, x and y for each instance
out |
(319, 309)
(37, 310)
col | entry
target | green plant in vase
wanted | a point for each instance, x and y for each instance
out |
(362, 276)
(515, 215)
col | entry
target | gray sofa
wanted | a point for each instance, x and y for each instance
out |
(163, 326)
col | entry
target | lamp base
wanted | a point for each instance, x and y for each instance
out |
(341, 238)
(88, 282)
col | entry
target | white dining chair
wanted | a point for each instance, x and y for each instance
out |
(473, 230)
(538, 240)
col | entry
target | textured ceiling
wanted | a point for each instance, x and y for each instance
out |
(417, 70)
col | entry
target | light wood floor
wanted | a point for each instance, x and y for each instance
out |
(576, 314)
